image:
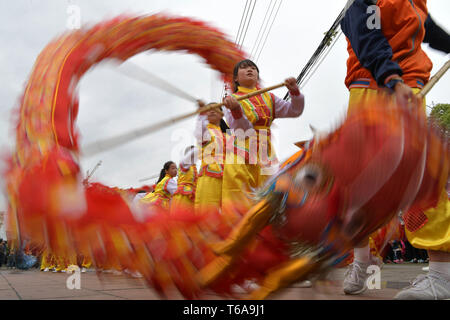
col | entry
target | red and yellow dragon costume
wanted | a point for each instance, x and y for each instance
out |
(326, 198)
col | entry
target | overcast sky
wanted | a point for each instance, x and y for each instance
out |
(111, 103)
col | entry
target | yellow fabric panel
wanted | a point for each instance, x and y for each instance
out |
(212, 155)
(435, 234)
(238, 181)
(208, 195)
(358, 96)
(187, 177)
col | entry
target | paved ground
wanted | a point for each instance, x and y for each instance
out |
(36, 285)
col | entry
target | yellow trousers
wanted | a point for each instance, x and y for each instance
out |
(435, 234)
(208, 195)
(360, 96)
(238, 181)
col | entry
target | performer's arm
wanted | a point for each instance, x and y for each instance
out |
(236, 119)
(201, 134)
(370, 45)
(189, 158)
(435, 36)
(294, 108)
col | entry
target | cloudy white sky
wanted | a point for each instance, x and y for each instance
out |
(111, 103)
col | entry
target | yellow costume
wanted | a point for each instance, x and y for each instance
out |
(209, 186)
(435, 233)
(161, 196)
(183, 198)
(247, 158)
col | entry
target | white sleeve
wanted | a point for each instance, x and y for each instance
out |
(285, 109)
(241, 123)
(139, 196)
(200, 132)
(188, 157)
(172, 186)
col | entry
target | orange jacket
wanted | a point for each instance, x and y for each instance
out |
(375, 54)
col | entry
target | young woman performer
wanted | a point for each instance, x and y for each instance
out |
(210, 135)
(184, 196)
(165, 187)
(250, 155)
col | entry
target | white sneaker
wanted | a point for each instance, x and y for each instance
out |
(304, 284)
(46, 270)
(83, 270)
(236, 289)
(136, 274)
(356, 278)
(432, 286)
(245, 288)
(54, 270)
(250, 285)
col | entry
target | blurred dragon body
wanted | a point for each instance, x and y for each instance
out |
(324, 200)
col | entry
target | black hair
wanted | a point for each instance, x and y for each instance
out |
(243, 63)
(166, 167)
(223, 126)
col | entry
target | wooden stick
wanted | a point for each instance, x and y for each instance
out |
(434, 79)
(248, 95)
(100, 146)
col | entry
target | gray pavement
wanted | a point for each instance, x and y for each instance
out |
(38, 285)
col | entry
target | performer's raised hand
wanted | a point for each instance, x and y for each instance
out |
(231, 103)
(291, 85)
(200, 105)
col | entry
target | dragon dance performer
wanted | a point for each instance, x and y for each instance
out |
(184, 196)
(389, 55)
(252, 157)
(165, 187)
(210, 135)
